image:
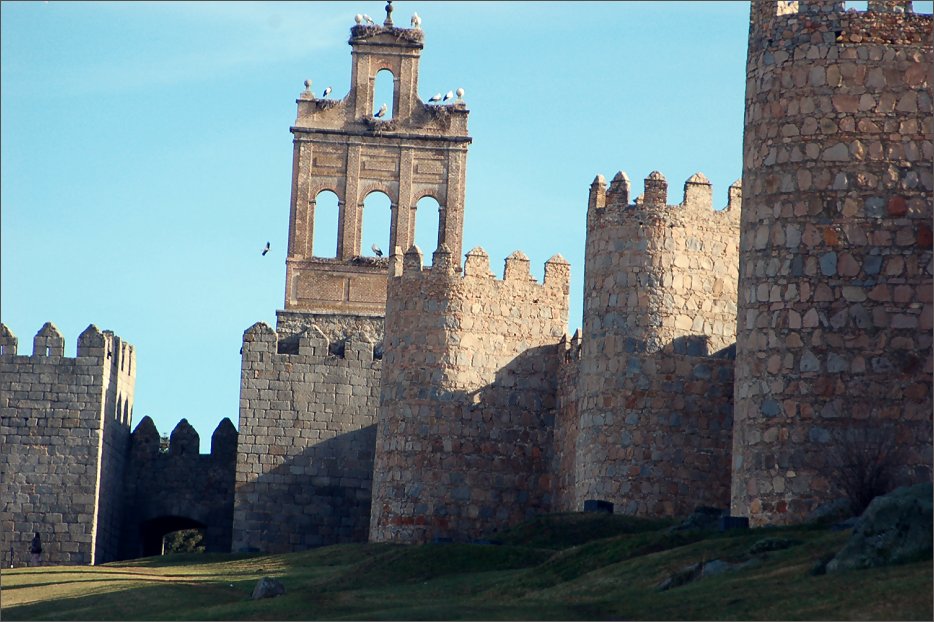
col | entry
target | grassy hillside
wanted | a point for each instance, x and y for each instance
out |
(557, 567)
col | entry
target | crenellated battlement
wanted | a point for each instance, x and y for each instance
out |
(614, 202)
(49, 343)
(476, 270)
(261, 343)
(784, 24)
(145, 441)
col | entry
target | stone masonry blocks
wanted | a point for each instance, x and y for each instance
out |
(835, 310)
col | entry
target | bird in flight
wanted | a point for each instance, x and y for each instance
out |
(448, 95)
(381, 112)
(376, 250)
(435, 98)
(266, 250)
(327, 92)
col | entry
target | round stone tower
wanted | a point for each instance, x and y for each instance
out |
(659, 299)
(833, 363)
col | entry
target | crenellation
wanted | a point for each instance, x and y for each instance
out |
(597, 198)
(48, 342)
(517, 267)
(656, 190)
(698, 192)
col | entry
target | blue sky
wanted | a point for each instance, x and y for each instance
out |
(146, 153)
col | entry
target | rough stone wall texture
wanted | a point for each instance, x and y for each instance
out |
(467, 396)
(179, 488)
(64, 425)
(567, 419)
(341, 147)
(337, 327)
(659, 297)
(835, 316)
(305, 451)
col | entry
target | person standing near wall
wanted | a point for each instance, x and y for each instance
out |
(35, 550)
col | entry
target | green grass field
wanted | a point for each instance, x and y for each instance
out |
(566, 567)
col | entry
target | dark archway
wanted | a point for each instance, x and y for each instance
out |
(151, 532)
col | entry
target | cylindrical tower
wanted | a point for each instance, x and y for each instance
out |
(659, 298)
(833, 359)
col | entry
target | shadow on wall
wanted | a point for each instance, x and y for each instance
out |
(178, 488)
(317, 497)
(458, 465)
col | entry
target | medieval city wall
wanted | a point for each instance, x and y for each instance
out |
(64, 425)
(467, 407)
(654, 398)
(305, 450)
(178, 488)
(835, 307)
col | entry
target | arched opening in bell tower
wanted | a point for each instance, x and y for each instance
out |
(427, 216)
(384, 91)
(377, 216)
(326, 212)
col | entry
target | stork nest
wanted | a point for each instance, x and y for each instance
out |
(439, 111)
(324, 104)
(360, 260)
(407, 35)
(378, 126)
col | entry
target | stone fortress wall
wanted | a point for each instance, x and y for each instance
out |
(467, 400)
(305, 451)
(64, 428)
(835, 316)
(484, 411)
(655, 375)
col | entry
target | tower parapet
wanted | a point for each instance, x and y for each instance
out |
(834, 333)
(654, 403)
(468, 386)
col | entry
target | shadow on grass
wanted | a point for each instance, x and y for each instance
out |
(156, 602)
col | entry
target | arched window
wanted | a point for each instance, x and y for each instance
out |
(324, 243)
(377, 215)
(427, 217)
(383, 93)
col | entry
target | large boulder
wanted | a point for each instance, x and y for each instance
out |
(267, 587)
(896, 527)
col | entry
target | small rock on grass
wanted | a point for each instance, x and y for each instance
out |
(267, 587)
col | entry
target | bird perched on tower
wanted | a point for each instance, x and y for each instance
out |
(381, 112)
(376, 250)
(435, 98)
(368, 20)
(416, 21)
(448, 95)
(327, 92)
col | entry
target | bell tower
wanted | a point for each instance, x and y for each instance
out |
(342, 146)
